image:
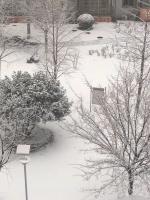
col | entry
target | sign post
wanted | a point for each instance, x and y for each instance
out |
(96, 95)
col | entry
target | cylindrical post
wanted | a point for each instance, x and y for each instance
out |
(28, 29)
(25, 180)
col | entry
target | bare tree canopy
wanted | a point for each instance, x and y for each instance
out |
(52, 17)
(119, 127)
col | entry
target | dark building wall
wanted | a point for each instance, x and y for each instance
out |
(115, 8)
(125, 8)
(95, 7)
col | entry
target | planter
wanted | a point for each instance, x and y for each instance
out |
(145, 14)
(16, 19)
(103, 19)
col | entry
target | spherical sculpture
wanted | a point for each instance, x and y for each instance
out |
(85, 21)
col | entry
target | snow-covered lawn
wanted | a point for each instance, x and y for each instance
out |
(52, 173)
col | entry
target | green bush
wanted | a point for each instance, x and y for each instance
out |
(26, 100)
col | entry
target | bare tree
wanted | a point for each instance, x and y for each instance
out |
(7, 138)
(119, 127)
(5, 49)
(52, 17)
(5, 152)
(7, 141)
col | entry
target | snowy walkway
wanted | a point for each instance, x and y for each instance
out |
(99, 41)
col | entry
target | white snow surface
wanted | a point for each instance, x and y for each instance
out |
(52, 173)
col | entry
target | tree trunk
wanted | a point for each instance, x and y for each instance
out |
(28, 20)
(46, 47)
(131, 182)
(55, 72)
(0, 68)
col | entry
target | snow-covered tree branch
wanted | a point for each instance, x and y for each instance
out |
(52, 18)
(119, 127)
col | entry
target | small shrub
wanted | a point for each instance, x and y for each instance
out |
(32, 60)
(85, 21)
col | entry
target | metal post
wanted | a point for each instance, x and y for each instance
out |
(25, 179)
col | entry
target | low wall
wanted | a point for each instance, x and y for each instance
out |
(16, 19)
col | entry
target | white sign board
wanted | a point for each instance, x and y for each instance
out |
(97, 95)
(23, 149)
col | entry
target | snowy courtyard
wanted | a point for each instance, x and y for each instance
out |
(53, 173)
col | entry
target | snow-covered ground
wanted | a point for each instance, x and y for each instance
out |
(105, 30)
(52, 172)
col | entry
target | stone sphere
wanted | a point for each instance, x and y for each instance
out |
(85, 21)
